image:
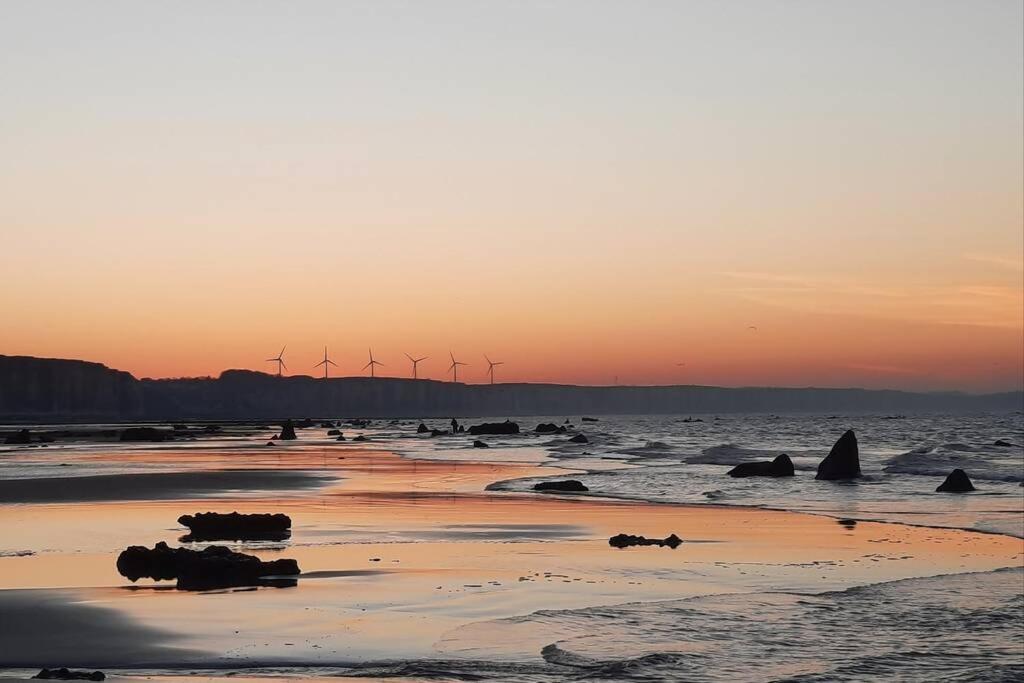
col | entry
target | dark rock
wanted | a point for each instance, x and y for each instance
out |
(215, 526)
(271, 443)
(340, 438)
(288, 431)
(1003, 443)
(956, 482)
(327, 425)
(333, 432)
(361, 437)
(422, 429)
(569, 485)
(145, 434)
(579, 438)
(462, 429)
(63, 674)
(588, 419)
(548, 428)
(212, 429)
(781, 466)
(216, 566)
(438, 432)
(479, 444)
(18, 438)
(304, 424)
(627, 540)
(843, 461)
(506, 427)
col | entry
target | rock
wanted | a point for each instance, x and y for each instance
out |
(579, 438)
(145, 434)
(438, 432)
(548, 428)
(288, 431)
(180, 428)
(216, 566)
(569, 485)
(462, 429)
(63, 674)
(843, 461)
(479, 444)
(781, 466)
(340, 438)
(327, 425)
(211, 429)
(271, 443)
(422, 429)
(506, 427)
(361, 437)
(333, 432)
(1003, 443)
(956, 482)
(18, 438)
(627, 540)
(216, 526)
(588, 419)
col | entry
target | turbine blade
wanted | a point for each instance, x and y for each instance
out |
(333, 363)
(283, 365)
(366, 366)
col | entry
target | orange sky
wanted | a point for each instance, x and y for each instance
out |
(585, 193)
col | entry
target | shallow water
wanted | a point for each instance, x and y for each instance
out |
(509, 592)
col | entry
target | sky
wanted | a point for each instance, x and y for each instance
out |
(733, 193)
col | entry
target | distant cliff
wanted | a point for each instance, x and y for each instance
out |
(49, 390)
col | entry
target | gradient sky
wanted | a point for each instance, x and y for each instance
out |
(586, 190)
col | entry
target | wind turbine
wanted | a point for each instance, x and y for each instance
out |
(454, 367)
(279, 360)
(371, 364)
(325, 362)
(415, 362)
(491, 365)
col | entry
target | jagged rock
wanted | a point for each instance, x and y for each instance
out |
(333, 432)
(579, 438)
(288, 431)
(462, 429)
(956, 482)
(1003, 443)
(506, 427)
(627, 540)
(422, 429)
(216, 526)
(361, 437)
(341, 437)
(18, 438)
(548, 428)
(569, 485)
(843, 461)
(216, 566)
(271, 443)
(145, 434)
(781, 466)
(479, 444)
(63, 674)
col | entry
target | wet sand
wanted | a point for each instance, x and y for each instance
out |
(391, 545)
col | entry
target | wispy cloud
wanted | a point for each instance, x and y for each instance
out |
(1001, 261)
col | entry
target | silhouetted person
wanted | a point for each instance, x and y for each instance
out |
(455, 426)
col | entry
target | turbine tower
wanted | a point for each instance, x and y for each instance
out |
(371, 364)
(415, 362)
(325, 362)
(454, 367)
(279, 359)
(491, 365)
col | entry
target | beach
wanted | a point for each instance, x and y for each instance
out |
(407, 563)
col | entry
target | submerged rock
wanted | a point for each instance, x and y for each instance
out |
(146, 434)
(361, 437)
(422, 429)
(63, 674)
(438, 432)
(216, 566)
(479, 444)
(956, 482)
(288, 431)
(548, 428)
(579, 438)
(506, 427)
(1003, 443)
(627, 540)
(588, 419)
(20, 437)
(781, 466)
(569, 485)
(216, 526)
(843, 461)
(341, 437)
(333, 432)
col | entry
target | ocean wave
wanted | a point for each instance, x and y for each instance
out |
(983, 463)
